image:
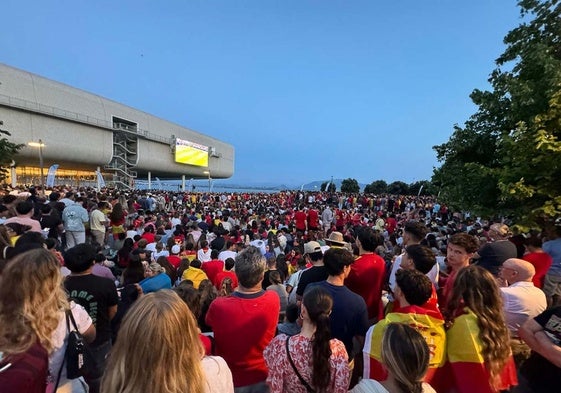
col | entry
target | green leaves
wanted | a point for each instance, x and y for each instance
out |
(8, 151)
(505, 160)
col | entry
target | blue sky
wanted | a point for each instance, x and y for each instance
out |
(304, 90)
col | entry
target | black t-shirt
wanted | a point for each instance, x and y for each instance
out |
(313, 274)
(96, 295)
(51, 221)
(218, 243)
(542, 375)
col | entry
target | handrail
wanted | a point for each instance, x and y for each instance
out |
(77, 117)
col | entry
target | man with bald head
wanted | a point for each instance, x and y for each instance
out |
(521, 301)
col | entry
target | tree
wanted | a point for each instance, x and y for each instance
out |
(506, 159)
(423, 187)
(376, 187)
(328, 186)
(8, 151)
(398, 188)
(350, 185)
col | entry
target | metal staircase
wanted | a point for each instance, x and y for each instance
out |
(125, 156)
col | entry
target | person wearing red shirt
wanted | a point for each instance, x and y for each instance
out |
(391, 224)
(313, 219)
(213, 267)
(300, 220)
(539, 258)
(340, 219)
(245, 322)
(148, 233)
(227, 273)
(368, 273)
(174, 258)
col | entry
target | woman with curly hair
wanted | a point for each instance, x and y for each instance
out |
(478, 341)
(117, 219)
(171, 358)
(311, 360)
(33, 324)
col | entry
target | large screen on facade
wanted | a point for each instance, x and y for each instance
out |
(191, 153)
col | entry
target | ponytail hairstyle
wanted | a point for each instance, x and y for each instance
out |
(405, 354)
(318, 304)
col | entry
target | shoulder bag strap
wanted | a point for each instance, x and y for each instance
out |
(71, 317)
(302, 380)
(66, 312)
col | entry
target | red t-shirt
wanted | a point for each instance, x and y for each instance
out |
(212, 268)
(541, 261)
(313, 219)
(149, 236)
(243, 325)
(224, 274)
(300, 220)
(174, 260)
(367, 279)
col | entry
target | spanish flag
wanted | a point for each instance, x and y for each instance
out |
(464, 370)
(427, 322)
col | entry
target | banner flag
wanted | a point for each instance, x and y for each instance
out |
(51, 175)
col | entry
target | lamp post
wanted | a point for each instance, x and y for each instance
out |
(40, 145)
(209, 179)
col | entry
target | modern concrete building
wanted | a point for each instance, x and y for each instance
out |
(83, 132)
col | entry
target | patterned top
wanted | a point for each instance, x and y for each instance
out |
(282, 377)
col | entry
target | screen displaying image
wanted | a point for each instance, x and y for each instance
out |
(190, 153)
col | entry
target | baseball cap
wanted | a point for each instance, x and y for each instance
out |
(311, 247)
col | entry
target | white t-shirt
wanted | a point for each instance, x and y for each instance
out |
(373, 386)
(433, 274)
(227, 254)
(60, 335)
(218, 375)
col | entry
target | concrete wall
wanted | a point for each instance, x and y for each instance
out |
(76, 128)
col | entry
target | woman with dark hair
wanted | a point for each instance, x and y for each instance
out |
(311, 360)
(170, 270)
(208, 294)
(117, 220)
(405, 355)
(124, 254)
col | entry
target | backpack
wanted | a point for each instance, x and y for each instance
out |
(79, 359)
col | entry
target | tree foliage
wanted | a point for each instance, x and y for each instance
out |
(398, 188)
(8, 150)
(506, 159)
(328, 186)
(350, 185)
(422, 187)
(376, 187)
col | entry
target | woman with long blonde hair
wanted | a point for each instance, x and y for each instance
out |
(159, 348)
(405, 355)
(478, 341)
(32, 311)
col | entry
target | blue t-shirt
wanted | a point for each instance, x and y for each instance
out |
(349, 316)
(553, 248)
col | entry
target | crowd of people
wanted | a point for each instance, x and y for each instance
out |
(286, 292)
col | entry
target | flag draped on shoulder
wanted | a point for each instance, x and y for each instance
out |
(427, 322)
(465, 370)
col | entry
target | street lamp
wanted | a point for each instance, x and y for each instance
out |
(209, 179)
(40, 145)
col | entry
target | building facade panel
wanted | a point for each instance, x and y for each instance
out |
(87, 131)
